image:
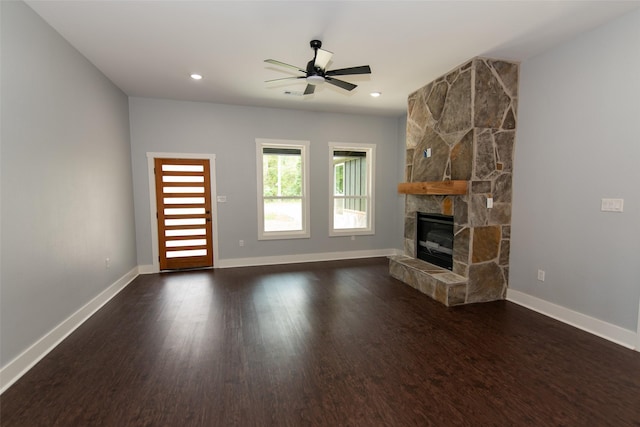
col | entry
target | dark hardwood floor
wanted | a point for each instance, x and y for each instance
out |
(326, 344)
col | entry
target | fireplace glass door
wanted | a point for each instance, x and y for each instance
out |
(434, 239)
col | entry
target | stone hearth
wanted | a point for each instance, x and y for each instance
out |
(467, 118)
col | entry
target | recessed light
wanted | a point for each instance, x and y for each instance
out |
(375, 94)
(196, 76)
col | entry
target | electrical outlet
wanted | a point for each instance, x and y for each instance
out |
(353, 237)
(241, 242)
(612, 205)
(541, 275)
(489, 202)
(107, 263)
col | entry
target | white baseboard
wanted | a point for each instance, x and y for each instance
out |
(290, 259)
(608, 331)
(293, 259)
(13, 370)
(146, 269)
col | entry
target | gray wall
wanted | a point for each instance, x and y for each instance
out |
(229, 132)
(67, 200)
(577, 142)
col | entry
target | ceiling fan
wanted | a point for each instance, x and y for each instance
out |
(317, 73)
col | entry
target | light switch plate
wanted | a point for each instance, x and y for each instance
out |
(612, 205)
(489, 202)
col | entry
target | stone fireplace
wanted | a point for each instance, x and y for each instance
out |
(460, 136)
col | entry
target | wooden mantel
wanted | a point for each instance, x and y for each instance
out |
(433, 187)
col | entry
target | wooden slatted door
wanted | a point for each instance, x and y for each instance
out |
(183, 200)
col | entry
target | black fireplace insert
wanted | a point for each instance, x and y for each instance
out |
(434, 239)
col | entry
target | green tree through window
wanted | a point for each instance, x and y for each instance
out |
(282, 175)
(282, 189)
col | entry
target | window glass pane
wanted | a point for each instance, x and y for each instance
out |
(349, 212)
(349, 153)
(180, 243)
(353, 187)
(350, 173)
(281, 150)
(186, 232)
(282, 175)
(182, 254)
(186, 221)
(184, 200)
(183, 211)
(283, 205)
(283, 215)
(166, 178)
(338, 179)
(183, 168)
(183, 189)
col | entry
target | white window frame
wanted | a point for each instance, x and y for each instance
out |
(304, 152)
(370, 150)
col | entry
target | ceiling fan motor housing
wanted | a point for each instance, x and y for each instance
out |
(312, 70)
(315, 75)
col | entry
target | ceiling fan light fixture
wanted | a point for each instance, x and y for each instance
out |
(315, 80)
(322, 58)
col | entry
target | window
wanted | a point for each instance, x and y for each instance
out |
(283, 188)
(351, 200)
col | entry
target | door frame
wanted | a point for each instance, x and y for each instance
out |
(155, 252)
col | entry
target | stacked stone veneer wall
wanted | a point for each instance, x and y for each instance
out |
(468, 120)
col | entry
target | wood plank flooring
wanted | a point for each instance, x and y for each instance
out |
(320, 344)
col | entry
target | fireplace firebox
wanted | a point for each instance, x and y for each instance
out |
(434, 239)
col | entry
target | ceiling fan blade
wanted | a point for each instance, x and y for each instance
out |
(309, 90)
(340, 83)
(363, 69)
(285, 78)
(282, 64)
(322, 58)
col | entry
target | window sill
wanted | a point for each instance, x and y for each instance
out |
(284, 236)
(351, 232)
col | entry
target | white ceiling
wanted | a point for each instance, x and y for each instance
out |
(149, 48)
